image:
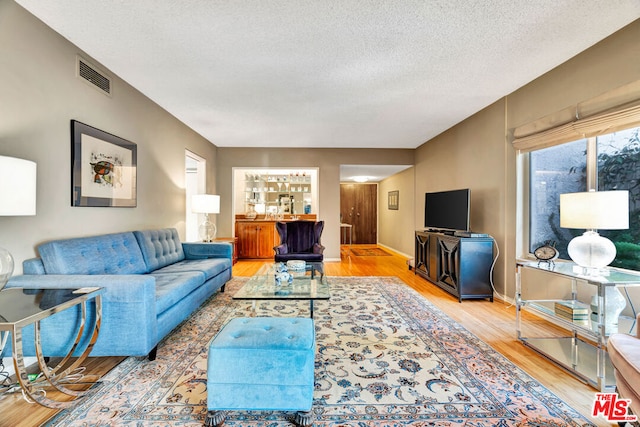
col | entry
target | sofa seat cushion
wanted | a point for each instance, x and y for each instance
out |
(117, 253)
(310, 257)
(172, 287)
(209, 267)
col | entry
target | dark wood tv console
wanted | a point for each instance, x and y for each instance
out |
(459, 265)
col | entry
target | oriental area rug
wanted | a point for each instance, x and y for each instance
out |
(385, 356)
(369, 252)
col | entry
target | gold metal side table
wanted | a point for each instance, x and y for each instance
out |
(20, 307)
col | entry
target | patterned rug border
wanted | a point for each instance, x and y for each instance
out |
(370, 252)
(416, 310)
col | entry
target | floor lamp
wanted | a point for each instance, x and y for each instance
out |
(17, 198)
(597, 210)
(206, 204)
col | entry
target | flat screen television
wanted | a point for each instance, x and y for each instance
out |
(447, 210)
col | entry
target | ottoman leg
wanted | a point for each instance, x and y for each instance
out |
(303, 418)
(215, 418)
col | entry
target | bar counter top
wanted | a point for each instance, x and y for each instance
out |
(287, 218)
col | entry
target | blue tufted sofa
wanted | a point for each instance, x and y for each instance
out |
(152, 283)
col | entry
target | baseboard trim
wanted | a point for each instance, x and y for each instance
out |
(395, 250)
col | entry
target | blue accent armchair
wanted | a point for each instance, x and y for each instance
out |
(299, 240)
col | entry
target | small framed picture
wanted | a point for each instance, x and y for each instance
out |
(394, 199)
(103, 168)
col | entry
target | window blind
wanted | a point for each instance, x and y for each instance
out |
(613, 111)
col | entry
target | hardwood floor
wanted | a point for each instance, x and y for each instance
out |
(494, 323)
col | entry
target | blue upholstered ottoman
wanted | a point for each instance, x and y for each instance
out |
(262, 363)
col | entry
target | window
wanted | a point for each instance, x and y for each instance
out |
(618, 167)
(553, 171)
(606, 162)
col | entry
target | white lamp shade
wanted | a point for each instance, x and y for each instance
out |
(595, 210)
(17, 187)
(205, 203)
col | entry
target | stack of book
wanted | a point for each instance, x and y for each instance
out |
(575, 311)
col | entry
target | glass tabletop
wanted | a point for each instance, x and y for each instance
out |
(20, 306)
(605, 276)
(308, 284)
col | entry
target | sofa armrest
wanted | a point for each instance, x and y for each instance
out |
(129, 319)
(33, 266)
(318, 248)
(195, 250)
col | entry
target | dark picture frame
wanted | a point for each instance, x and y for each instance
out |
(394, 200)
(103, 168)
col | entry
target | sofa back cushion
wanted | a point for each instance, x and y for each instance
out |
(160, 247)
(117, 253)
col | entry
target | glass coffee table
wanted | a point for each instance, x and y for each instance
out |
(308, 284)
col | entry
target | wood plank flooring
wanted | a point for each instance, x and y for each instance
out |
(494, 323)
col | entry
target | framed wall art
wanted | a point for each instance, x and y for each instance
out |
(103, 168)
(394, 197)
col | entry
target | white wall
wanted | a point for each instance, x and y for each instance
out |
(39, 96)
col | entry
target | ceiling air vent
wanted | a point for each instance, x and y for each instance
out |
(92, 76)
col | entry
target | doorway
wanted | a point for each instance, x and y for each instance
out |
(359, 207)
(195, 183)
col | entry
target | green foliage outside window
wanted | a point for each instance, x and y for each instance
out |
(619, 169)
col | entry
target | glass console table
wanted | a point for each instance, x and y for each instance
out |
(582, 349)
(21, 307)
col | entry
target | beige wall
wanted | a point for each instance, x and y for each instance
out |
(609, 64)
(393, 225)
(327, 160)
(470, 155)
(39, 95)
(477, 153)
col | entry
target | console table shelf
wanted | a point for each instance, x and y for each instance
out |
(581, 348)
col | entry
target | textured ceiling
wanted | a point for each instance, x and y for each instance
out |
(330, 73)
